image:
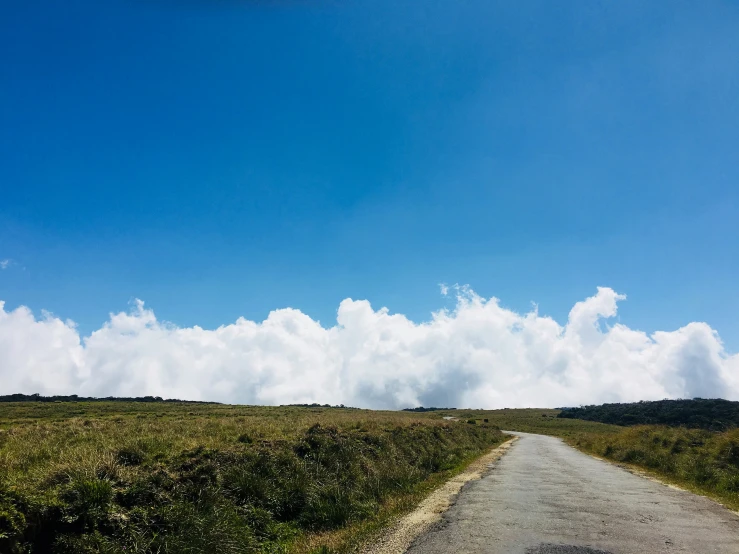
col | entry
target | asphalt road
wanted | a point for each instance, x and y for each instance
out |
(544, 497)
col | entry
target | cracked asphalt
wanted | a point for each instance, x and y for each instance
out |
(544, 497)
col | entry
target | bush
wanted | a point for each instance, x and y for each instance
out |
(88, 500)
(12, 525)
(130, 456)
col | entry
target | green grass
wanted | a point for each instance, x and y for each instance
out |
(187, 478)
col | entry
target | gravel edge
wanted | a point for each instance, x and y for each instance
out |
(396, 538)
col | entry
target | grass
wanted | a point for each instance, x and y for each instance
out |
(186, 478)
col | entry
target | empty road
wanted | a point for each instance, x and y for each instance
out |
(546, 497)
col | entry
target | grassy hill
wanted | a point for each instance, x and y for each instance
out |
(711, 414)
(146, 477)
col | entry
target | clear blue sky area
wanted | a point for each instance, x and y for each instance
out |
(223, 158)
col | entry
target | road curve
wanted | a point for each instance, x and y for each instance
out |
(546, 497)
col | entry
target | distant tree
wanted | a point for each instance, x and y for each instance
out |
(699, 413)
(36, 397)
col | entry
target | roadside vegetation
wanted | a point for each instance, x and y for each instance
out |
(146, 477)
(701, 460)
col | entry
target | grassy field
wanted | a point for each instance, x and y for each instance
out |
(706, 462)
(533, 420)
(152, 477)
(135, 477)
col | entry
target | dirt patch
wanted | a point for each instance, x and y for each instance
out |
(398, 537)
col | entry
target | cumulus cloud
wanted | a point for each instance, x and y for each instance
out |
(478, 354)
(6, 263)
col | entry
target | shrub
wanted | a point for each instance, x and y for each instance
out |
(12, 525)
(130, 456)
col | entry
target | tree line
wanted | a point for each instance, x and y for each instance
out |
(422, 409)
(75, 398)
(713, 414)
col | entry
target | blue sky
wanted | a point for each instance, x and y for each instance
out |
(223, 159)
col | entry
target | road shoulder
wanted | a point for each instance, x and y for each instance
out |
(397, 537)
(655, 477)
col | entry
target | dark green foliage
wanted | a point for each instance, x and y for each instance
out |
(74, 398)
(12, 524)
(87, 500)
(130, 456)
(245, 438)
(712, 414)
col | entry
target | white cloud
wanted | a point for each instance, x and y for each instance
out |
(6, 263)
(478, 355)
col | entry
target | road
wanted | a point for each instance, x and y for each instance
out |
(545, 497)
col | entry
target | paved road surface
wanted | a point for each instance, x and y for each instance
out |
(545, 497)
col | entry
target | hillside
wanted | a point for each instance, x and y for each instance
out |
(710, 414)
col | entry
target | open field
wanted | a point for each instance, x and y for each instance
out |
(153, 477)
